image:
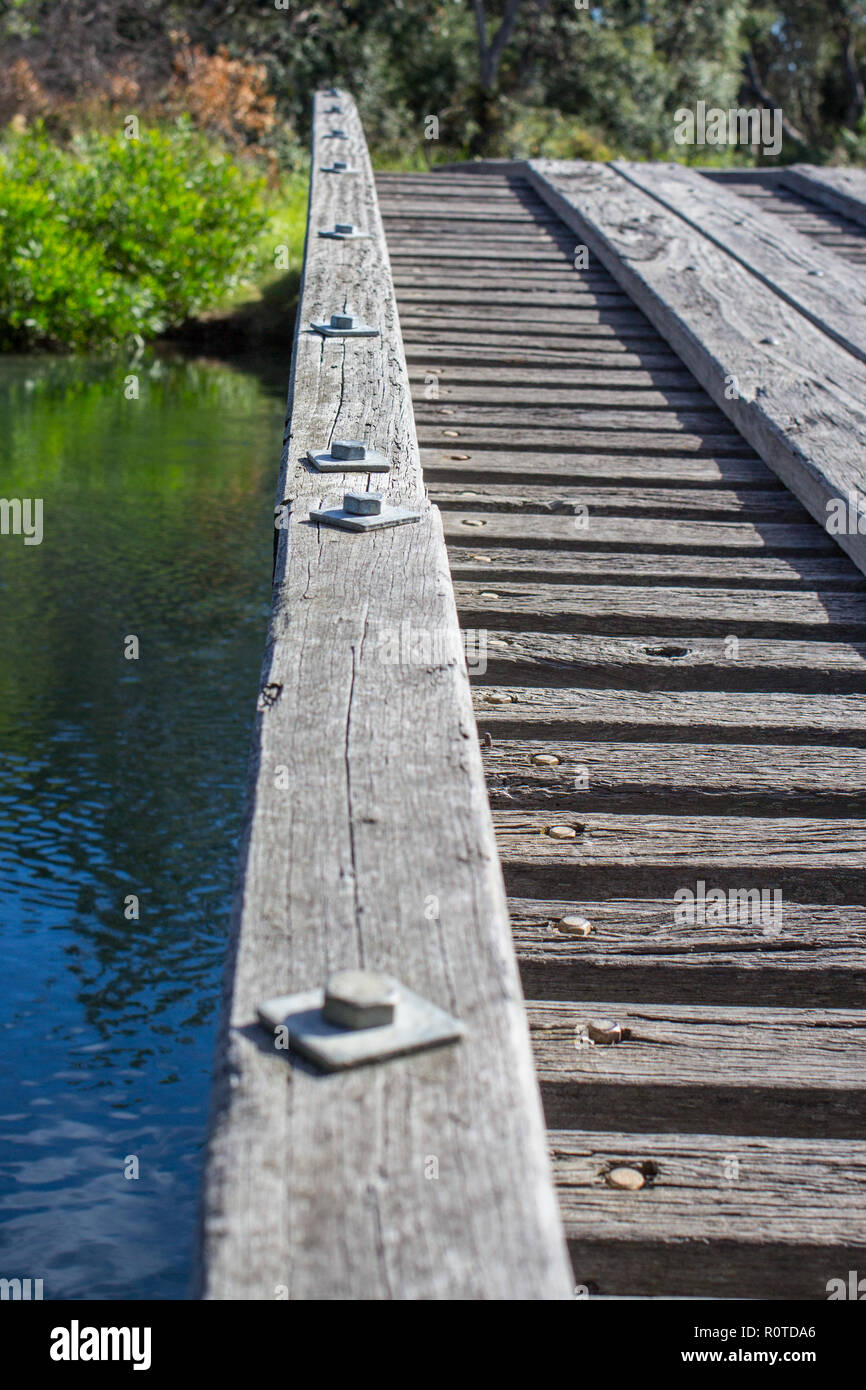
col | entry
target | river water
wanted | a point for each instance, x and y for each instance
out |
(122, 779)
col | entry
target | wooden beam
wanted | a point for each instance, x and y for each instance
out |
(718, 1216)
(841, 190)
(368, 842)
(702, 1069)
(828, 291)
(792, 392)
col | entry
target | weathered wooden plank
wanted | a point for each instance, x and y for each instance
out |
(769, 1218)
(606, 353)
(672, 611)
(702, 1069)
(841, 190)
(704, 426)
(634, 778)
(651, 662)
(469, 378)
(556, 527)
(812, 280)
(684, 716)
(804, 859)
(588, 504)
(636, 950)
(317, 1184)
(583, 439)
(484, 466)
(801, 396)
(523, 565)
(478, 300)
(601, 399)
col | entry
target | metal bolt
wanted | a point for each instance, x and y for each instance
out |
(360, 999)
(604, 1030)
(362, 503)
(342, 320)
(337, 135)
(545, 760)
(562, 832)
(627, 1179)
(348, 449)
(344, 228)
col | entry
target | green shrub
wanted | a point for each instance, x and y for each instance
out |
(115, 237)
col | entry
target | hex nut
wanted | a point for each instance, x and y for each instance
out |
(360, 999)
(348, 449)
(346, 320)
(362, 503)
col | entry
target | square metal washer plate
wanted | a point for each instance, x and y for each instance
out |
(417, 1024)
(373, 521)
(362, 331)
(372, 463)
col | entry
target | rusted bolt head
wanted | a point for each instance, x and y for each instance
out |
(626, 1179)
(348, 449)
(604, 1030)
(362, 503)
(574, 926)
(360, 999)
(345, 320)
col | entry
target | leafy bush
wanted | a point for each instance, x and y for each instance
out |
(115, 237)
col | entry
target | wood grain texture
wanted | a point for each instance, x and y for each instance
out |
(601, 470)
(548, 567)
(682, 715)
(702, 1069)
(804, 859)
(618, 609)
(841, 190)
(366, 802)
(769, 779)
(557, 660)
(801, 396)
(592, 505)
(814, 281)
(718, 1216)
(554, 525)
(637, 951)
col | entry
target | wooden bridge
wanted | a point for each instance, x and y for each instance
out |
(638, 397)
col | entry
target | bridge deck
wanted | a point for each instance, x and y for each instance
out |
(675, 670)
